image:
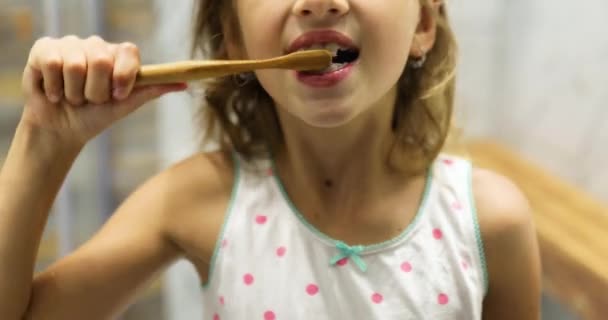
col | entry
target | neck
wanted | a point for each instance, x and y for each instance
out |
(334, 164)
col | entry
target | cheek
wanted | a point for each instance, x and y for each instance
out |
(388, 47)
(260, 26)
(276, 84)
(393, 23)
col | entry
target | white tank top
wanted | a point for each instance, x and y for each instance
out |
(271, 264)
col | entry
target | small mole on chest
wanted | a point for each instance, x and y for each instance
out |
(328, 183)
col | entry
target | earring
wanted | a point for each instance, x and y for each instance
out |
(418, 62)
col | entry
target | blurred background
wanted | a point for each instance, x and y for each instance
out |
(532, 77)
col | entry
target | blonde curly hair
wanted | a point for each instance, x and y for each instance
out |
(243, 116)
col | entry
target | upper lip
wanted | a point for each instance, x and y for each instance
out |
(320, 36)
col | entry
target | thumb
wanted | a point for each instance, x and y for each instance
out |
(144, 94)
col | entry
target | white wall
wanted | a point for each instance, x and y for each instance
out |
(534, 74)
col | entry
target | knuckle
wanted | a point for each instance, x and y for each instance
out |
(130, 48)
(40, 46)
(95, 39)
(71, 38)
(42, 41)
(75, 67)
(53, 63)
(102, 61)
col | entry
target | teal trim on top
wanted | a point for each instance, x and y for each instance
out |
(237, 178)
(335, 242)
(480, 247)
(348, 252)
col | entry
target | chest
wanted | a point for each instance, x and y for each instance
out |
(292, 278)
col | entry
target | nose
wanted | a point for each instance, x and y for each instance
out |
(320, 9)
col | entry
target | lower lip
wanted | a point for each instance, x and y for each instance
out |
(325, 80)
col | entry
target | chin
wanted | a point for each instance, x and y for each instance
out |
(329, 118)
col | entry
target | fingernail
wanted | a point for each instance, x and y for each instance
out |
(119, 93)
(175, 88)
(180, 87)
(54, 97)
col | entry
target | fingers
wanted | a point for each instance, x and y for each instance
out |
(74, 71)
(30, 83)
(81, 70)
(100, 65)
(126, 66)
(46, 60)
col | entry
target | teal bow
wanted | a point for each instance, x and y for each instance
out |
(349, 252)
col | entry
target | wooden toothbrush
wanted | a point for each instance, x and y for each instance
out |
(195, 70)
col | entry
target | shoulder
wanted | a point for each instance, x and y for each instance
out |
(510, 246)
(501, 206)
(175, 190)
(201, 175)
(192, 186)
(195, 188)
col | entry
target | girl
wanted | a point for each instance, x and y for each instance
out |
(329, 198)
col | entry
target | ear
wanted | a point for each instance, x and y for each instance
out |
(426, 31)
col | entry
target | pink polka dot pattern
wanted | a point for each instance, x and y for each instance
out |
(261, 219)
(248, 279)
(269, 315)
(406, 267)
(457, 206)
(377, 298)
(312, 289)
(437, 234)
(281, 251)
(465, 265)
(445, 257)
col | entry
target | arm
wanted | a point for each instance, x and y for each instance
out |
(68, 88)
(30, 178)
(102, 277)
(125, 254)
(511, 249)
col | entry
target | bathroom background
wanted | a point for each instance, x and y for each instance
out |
(532, 76)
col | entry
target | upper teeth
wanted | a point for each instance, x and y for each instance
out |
(331, 47)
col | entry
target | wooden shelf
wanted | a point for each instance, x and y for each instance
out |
(572, 230)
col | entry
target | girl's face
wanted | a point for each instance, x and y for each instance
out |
(381, 33)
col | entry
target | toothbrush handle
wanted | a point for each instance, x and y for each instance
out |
(184, 71)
